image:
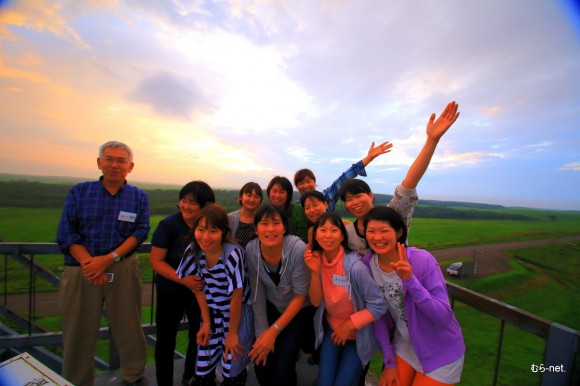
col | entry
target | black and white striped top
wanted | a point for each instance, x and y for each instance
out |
(228, 274)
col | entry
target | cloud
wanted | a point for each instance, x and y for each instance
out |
(170, 94)
(255, 88)
(29, 76)
(575, 166)
(300, 153)
(42, 15)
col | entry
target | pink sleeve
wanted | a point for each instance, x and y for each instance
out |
(362, 318)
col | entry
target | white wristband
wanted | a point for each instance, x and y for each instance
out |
(277, 327)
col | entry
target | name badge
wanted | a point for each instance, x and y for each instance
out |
(127, 216)
(339, 280)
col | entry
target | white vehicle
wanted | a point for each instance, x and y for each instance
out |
(455, 269)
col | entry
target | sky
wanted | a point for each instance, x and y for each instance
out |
(236, 91)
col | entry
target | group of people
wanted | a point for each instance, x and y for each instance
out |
(259, 284)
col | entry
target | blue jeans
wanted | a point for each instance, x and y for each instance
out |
(339, 365)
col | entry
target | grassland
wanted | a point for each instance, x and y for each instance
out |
(542, 280)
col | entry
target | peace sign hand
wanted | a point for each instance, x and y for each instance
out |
(402, 267)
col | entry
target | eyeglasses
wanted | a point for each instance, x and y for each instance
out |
(118, 161)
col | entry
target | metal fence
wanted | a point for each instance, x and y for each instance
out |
(560, 349)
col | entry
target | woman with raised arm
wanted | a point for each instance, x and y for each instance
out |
(419, 336)
(305, 181)
(358, 197)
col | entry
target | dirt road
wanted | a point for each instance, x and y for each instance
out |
(491, 259)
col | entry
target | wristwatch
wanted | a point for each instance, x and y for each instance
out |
(116, 257)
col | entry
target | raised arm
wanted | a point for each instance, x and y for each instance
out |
(375, 151)
(436, 128)
(331, 193)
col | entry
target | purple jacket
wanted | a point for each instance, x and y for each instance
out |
(433, 329)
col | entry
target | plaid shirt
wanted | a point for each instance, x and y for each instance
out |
(99, 221)
(331, 193)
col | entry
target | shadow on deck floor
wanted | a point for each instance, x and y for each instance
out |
(307, 375)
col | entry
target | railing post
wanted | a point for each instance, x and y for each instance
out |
(498, 353)
(30, 295)
(561, 346)
(5, 279)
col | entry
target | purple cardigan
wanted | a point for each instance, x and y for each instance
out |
(434, 332)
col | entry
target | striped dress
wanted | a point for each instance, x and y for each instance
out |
(220, 281)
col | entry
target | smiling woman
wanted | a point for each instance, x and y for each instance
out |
(280, 194)
(279, 282)
(226, 332)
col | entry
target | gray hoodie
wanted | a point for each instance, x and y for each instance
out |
(294, 279)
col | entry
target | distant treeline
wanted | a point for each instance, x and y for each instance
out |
(33, 194)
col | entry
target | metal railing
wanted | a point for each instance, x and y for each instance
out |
(560, 349)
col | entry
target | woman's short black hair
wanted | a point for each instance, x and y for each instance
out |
(250, 187)
(200, 191)
(284, 184)
(269, 211)
(302, 174)
(312, 193)
(334, 220)
(389, 215)
(354, 187)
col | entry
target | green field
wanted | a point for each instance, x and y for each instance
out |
(542, 280)
(550, 290)
(40, 225)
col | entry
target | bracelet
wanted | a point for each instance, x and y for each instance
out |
(277, 327)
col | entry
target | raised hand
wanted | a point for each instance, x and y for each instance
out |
(402, 267)
(375, 151)
(312, 259)
(436, 128)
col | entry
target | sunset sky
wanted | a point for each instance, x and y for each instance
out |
(236, 91)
